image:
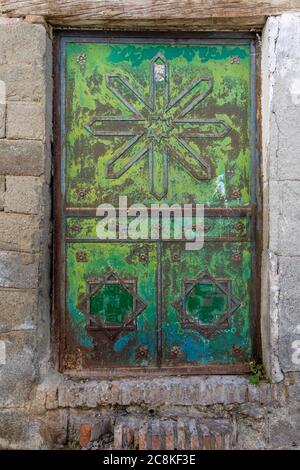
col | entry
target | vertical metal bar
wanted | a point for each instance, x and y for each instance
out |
(62, 225)
(56, 306)
(59, 248)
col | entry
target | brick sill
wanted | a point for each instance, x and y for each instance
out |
(159, 391)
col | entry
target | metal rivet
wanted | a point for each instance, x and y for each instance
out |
(236, 257)
(81, 58)
(235, 59)
(82, 193)
(176, 351)
(143, 256)
(239, 227)
(142, 352)
(236, 194)
(76, 227)
(81, 256)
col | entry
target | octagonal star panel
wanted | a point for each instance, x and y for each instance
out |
(111, 305)
(138, 124)
(163, 131)
(207, 304)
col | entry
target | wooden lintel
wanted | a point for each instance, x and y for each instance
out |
(152, 14)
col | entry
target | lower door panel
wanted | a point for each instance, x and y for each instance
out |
(206, 304)
(111, 304)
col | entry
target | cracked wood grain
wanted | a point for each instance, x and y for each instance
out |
(210, 14)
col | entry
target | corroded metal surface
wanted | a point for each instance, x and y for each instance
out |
(169, 122)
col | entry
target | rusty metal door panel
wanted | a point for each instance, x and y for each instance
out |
(206, 304)
(149, 121)
(158, 121)
(111, 305)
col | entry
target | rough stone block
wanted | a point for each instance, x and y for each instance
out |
(52, 399)
(22, 43)
(289, 308)
(23, 194)
(53, 429)
(23, 82)
(25, 120)
(288, 118)
(19, 429)
(18, 309)
(18, 270)
(271, 225)
(252, 410)
(2, 191)
(289, 221)
(18, 374)
(19, 232)
(22, 157)
(2, 119)
(284, 429)
(286, 97)
(251, 435)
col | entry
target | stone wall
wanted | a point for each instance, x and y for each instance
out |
(40, 408)
(25, 204)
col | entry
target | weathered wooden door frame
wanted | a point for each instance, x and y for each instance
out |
(58, 311)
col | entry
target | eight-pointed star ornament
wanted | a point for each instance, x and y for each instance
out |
(162, 131)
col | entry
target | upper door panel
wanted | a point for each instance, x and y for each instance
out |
(156, 122)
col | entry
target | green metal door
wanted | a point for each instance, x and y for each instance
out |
(159, 121)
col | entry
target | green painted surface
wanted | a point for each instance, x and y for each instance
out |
(102, 259)
(88, 98)
(111, 304)
(217, 260)
(169, 123)
(205, 302)
(215, 228)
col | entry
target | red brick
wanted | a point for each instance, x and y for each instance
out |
(206, 438)
(85, 434)
(264, 393)
(253, 393)
(143, 437)
(195, 444)
(118, 436)
(227, 441)
(128, 434)
(169, 430)
(218, 441)
(181, 434)
(155, 435)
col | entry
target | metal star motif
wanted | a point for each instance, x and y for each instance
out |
(95, 324)
(162, 130)
(208, 330)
